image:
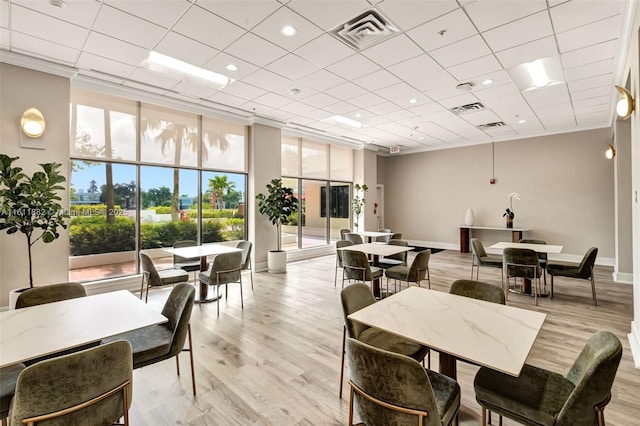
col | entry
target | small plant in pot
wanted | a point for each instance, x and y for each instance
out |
(30, 205)
(278, 205)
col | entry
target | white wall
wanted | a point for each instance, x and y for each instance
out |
(20, 89)
(565, 184)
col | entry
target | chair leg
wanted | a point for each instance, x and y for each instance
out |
(141, 291)
(177, 365)
(251, 273)
(344, 340)
(193, 376)
(241, 298)
(484, 416)
(593, 288)
(218, 299)
(551, 286)
(429, 278)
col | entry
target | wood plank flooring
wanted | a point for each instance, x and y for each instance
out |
(277, 362)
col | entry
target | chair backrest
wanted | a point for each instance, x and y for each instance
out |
(384, 238)
(343, 232)
(592, 374)
(519, 262)
(356, 265)
(229, 262)
(49, 294)
(478, 290)
(478, 249)
(390, 378)
(146, 265)
(355, 297)
(246, 253)
(353, 238)
(64, 383)
(419, 266)
(397, 236)
(340, 244)
(177, 309)
(542, 256)
(586, 266)
(400, 256)
(185, 243)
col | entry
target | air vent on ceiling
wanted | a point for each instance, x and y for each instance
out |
(490, 126)
(463, 109)
(365, 30)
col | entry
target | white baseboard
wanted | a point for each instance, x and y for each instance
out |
(622, 277)
(634, 342)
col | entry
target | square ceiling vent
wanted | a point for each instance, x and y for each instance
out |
(365, 30)
(492, 126)
(465, 109)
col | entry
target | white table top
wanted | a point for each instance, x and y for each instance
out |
(36, 331)
(378, 249)
(539, 248)
(489, 334)
(372, 234)
(200, 251)
(495, 228)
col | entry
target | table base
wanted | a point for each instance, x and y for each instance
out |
(204, 294)
(524, 293)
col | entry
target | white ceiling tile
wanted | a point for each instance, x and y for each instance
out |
(5, 38)
(329, 14)
(422, 72)
(353, 67)
(273, 100)
(594, 33)
(144, 87)
(160, 12)
(377, 80)
(519, 32)
(270, 29)
(455, 24)
(577, 13)
(383, 108)
(219, 63)
(195, 90)
(245, 13)
(487, 14)
(227, 99)
(4, 14)
(322, 80)
(408, 14)
(399, 115)
(496, 92)
(89, 61)
(126, 27)
(42, 26)
(275, 83)
(100, 76)
(593, 92)
(318, 114)
(373, 120)
(392, 51)
(78, 12)
(202, 25)
(598, 118)
(256, 50)
(243, 90)
(144, 76)
(341, 108)
(461, 51)
(367, 100)
(550, 100)
(481, 66)
(346, 91)
(554, 3)
(183, 48)
(459, 100)
(292, 67)
(120, 51)
(301, 120)
(426, 108)
(442, 92)
(597, 100)
(528, 52)
(319, 100)
(324, 50)
(589, 54)
(590, 109)
(43, 48)
(591, 83)
(297, 108)
(480, 117)
(401, 93)
(590, 70)
(549, 91)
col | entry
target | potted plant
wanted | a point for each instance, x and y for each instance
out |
(358, 202)
(30, 205)
(509, 213)
(278, 205)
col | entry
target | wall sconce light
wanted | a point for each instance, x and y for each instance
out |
(32, 123)
(626, 105)
(610, 152)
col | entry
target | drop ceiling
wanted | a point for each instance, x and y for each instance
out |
(402, 86)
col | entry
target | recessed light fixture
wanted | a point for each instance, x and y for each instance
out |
(231, 67)
(487, 82)
(358, 115)
(166, 64)
(289, 31)
(294, 91)
(346, 121)
(58, 3)
(420, 137)
(522, 121)
(538, 73)
(413, 101)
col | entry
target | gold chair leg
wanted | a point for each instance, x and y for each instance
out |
(193, 375)
(251, 273)
(593, 288)
(344, 340)
(484, 416)
(241, 298)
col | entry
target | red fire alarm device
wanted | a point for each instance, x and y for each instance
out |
(492, 181)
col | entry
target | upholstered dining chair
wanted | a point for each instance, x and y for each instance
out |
(384, 238)
(246, 246)
(160, 342)
(387, 388)
(583, 270)
(416, 273)
(49, 294)
(189, 264)
(394, 259)
(344, 232)
(355, 297)
(542, 257)
(8, 378)
(157, 278)
(355, 266)
(87, 387)
(478, 290)
(226, 269)
(522, 263)
(339, 245)
(541, 397)
(481, 258)
(353, 238)
(397, 236)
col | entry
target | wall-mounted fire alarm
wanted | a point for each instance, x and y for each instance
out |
(492, 181)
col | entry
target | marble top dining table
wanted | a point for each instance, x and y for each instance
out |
(539, 248)
(488, 334)
(373, 234)
(41, 330)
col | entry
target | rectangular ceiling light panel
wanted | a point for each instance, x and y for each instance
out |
(175, 67)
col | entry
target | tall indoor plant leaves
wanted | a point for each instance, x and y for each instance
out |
(278, 205)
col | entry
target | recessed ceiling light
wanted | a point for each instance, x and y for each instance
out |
(522, 121)
(346, 121)
(289, 31)
(420, 137)
(294, 91)
(413, 101)
(538, 73)
(168, 65)
(358, 115)
(231, 67)
(58, 3)
(487, 82)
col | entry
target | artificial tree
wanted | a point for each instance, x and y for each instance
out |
(278, 205)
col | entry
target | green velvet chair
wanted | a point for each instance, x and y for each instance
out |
(226, 269)
(416, 273)
(355, 266)
(160, 342)
(49, 294)
(388, 388)
(583, 270)
(8, 377)
(353, 238)
(541, 397)
(157, 278)
(399, 259)
(90, 387)
(246, 247)
(481, 258)
(344, 232)
(522, 263)
(355, 297)
(542, 257)
(385, 238)
(478, 290)
(189, 264)
(339, 265)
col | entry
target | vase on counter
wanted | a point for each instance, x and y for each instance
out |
(509, 222)
(469, 217)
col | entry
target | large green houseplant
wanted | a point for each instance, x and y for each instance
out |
(278, 205)
(30, 205)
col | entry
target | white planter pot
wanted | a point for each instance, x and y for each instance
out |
(469, 218)
(277, 261)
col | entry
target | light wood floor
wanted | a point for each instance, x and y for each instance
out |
(277, 362)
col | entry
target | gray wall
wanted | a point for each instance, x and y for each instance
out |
(565, 184)
(623, 268)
